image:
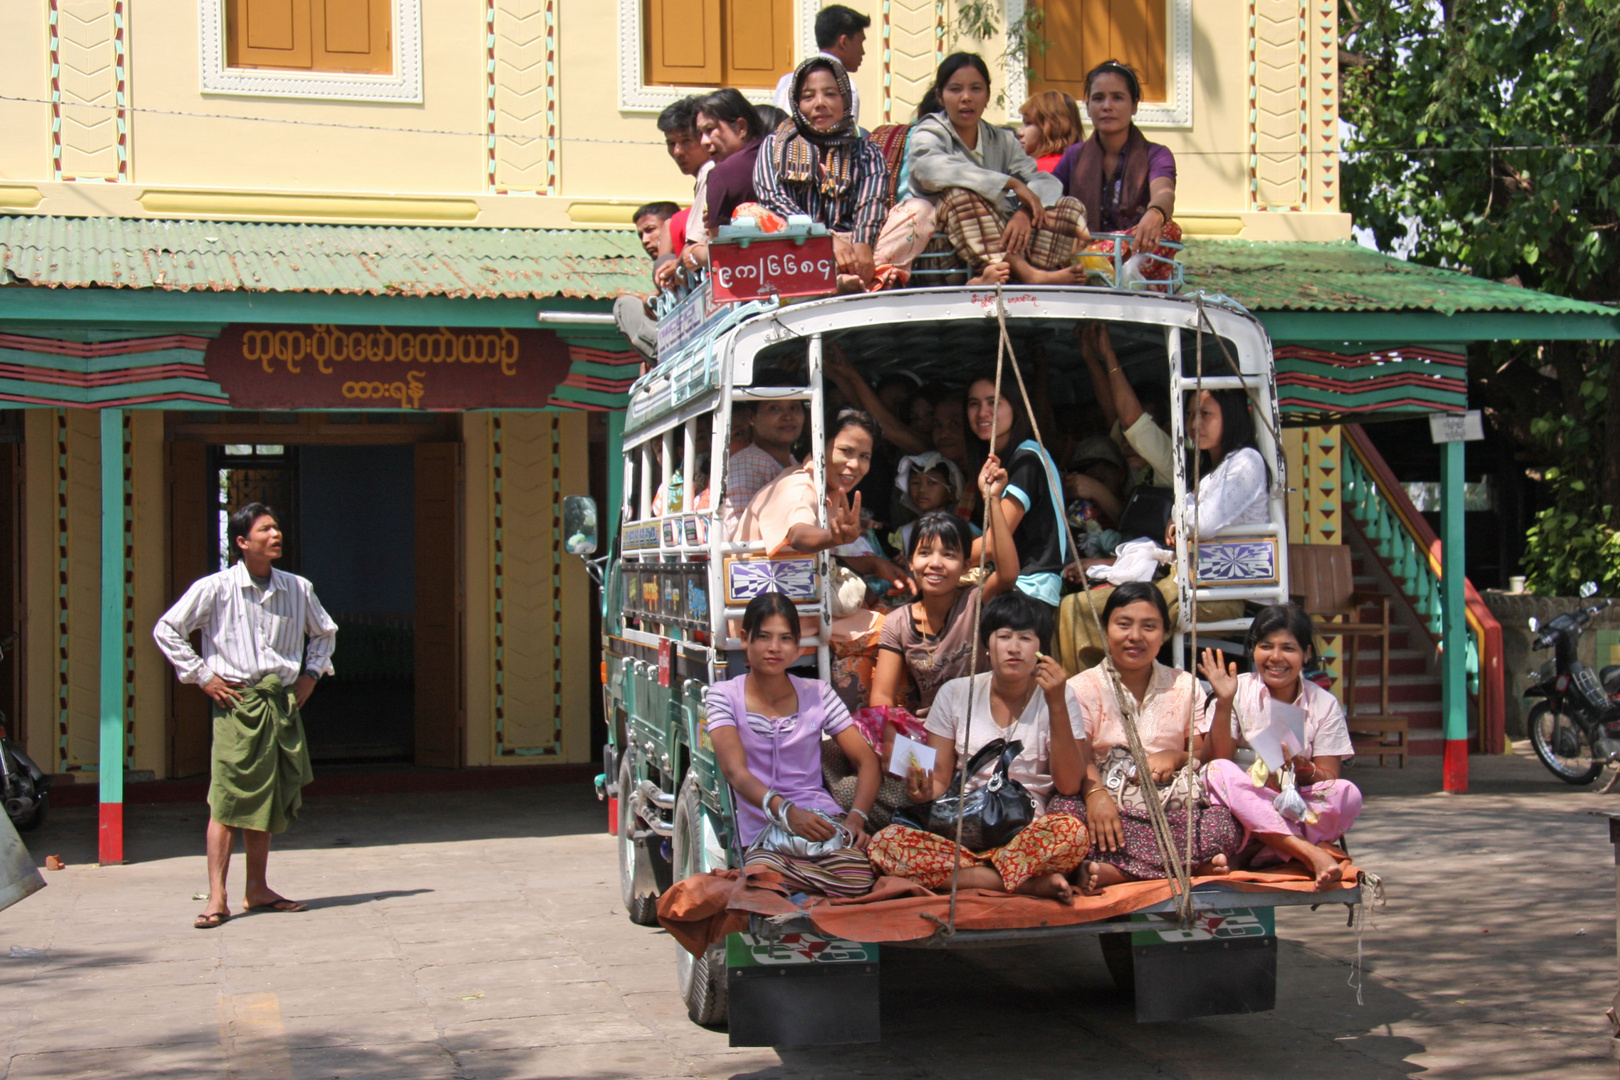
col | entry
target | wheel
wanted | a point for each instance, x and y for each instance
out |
(42, 808)
(1562, 746)
(1116, 950)
(643, 910)
(702, 979)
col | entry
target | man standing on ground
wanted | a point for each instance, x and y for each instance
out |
(259, 670)
(777, 426)
(840, 34)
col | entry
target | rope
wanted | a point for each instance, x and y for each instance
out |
(1279, 482)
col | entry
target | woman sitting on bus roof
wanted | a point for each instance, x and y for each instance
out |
(1128, 185)
(1021, 697)
(1281, 642)
(1163, 704)
(1051, 125)
(1004, 216)
(819, 164)
(767, 728)
(1034, 501)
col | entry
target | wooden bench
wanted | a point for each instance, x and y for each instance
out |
(1383, 736)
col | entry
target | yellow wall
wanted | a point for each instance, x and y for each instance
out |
(191, 154)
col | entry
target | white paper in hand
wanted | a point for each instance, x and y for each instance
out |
(908, 750)
(1293, 718)
(1267, 742)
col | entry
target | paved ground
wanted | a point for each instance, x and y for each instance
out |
(480, 936)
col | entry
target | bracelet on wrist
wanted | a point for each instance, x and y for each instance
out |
(862, 813)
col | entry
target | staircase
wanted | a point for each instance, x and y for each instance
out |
(1414, 672)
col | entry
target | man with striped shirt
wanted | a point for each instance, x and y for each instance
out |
(266, 640)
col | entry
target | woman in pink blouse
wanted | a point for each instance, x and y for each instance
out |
(766, 728)
(1164, 702)
(1280, 642)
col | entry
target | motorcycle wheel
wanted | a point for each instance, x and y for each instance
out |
(42, 808)
(1547, 729)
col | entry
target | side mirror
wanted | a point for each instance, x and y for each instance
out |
(1588, 590)
(1535, 624)
(579, 524)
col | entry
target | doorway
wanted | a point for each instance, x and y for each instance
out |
(374, 526)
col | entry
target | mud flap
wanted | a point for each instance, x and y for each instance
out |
(801, 990)
(1226, 963)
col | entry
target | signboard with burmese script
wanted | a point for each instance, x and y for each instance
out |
(381, 367)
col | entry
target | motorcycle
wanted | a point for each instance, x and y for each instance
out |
(1575, 728)
(25, 790)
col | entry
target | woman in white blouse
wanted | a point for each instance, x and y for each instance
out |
(1232, 476)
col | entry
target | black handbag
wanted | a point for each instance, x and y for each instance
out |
(991, 814)
(1147, 513)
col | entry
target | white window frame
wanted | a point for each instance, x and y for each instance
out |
(1175, 113)
(404, 84)
(635, 96)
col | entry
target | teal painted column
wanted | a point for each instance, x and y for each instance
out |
(1454, 631)
(609, 525)
(111, 761)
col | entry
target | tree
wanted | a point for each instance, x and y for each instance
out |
(1486, 138)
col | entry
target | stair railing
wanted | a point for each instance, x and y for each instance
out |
(1406, 544)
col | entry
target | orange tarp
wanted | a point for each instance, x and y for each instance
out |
(704, 908)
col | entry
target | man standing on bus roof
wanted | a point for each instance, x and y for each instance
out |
(840, 34)
(266, 640)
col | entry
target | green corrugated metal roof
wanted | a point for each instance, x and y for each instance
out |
(268, 257)
(1343, 276)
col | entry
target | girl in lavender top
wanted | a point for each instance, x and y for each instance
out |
(766, 727)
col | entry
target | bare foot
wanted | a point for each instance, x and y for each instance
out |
(1096, 876)
(1065, 275)
(1213, 868)
(1324, 868)
(996, 273)
(1055, 886)
(269, 901)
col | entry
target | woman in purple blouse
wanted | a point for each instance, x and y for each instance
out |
(766, 728)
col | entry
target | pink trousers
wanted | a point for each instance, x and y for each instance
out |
(1337, 804)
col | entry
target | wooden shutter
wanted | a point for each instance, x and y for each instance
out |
(683, 42)
(310, 35)
(758, 42)
(1080, 34)
(193, 552)
(439, 717)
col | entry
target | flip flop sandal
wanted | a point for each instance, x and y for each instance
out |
(210, 920)
(282, 905)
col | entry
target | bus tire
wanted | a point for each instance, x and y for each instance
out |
(643, 910)
(702, 979)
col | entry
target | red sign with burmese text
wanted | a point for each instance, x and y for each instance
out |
(773, 268)
(381, 367)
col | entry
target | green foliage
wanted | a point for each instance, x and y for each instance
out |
(1571, 543)
(1486, 138)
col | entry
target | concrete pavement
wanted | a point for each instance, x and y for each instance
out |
(479, 936)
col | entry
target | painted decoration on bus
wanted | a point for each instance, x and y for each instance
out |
(1208, 926)
(793, 577)
(386, 367)
(1227, 562)
(749, 950)
(764, 268)
(638, 537)
(686, 319)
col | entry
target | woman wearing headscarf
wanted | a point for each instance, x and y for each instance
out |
(817, 163)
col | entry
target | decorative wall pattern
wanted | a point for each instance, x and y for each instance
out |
(78, 589)
(89, 90)
(912, 39)
(129, 589)
(522, 96)
(1324, 128)
(527, 461)
(1279, 103)
(1316, 505)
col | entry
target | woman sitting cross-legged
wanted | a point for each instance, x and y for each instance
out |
(1164, 703)
(1004, 216)
(1281, 642)
(1022, 697)
(766, 727)
(817, 163)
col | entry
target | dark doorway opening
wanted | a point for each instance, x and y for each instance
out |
(349, 515)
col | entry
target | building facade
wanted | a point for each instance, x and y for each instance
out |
(355, 257)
